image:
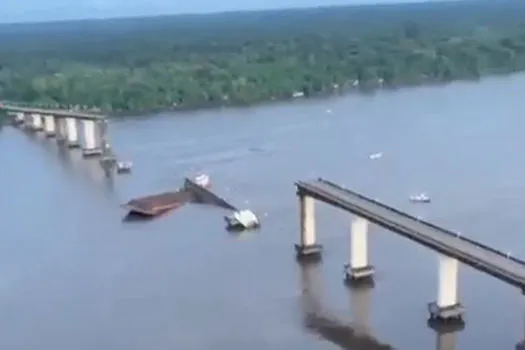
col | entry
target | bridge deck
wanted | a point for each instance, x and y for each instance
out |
(470, 252)
(56, 112)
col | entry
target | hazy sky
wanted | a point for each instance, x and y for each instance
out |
(46, 10)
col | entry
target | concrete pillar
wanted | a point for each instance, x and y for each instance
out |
(28, 121)
(359, 269)
(37, 124)
(72, 133)
(447, 306)
(19, 118)
(49, 125)
(308, 246)
(60, 130)
(92, 145)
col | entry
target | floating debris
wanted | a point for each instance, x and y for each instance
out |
(242, 220)
(124, 167)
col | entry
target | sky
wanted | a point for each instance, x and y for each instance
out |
(50, 10)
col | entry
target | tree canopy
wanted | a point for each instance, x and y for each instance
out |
(188, 61)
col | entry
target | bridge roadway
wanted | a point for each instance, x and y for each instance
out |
(481, 257)
(55, 112)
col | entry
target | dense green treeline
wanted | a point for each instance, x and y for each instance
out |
(241, 58)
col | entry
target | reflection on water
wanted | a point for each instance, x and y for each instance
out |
(319, 320)
(447, 340)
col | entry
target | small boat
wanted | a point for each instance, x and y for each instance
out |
(420, 198)
(242, 220)
(375, 155)
(124, 167)
(202, 180)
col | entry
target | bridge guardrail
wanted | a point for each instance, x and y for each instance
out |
(406, 215)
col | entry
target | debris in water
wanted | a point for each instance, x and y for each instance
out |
(124, 167)
(242, 220)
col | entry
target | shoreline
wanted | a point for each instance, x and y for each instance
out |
(286, 100)
(319, 96)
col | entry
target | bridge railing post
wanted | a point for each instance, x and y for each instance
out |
(308, 246)
(358, 269)
(447, 307)
(72, 133)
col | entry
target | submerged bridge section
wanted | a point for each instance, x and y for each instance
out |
(451, 247)
(73, 129)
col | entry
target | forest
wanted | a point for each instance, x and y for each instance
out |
(238, 58)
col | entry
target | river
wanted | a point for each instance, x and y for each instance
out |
(74, 275)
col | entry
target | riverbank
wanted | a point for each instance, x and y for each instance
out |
(142, 65)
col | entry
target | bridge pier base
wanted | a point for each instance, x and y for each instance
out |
(36, 122)
(49, 126)
(91, 139)
(308, 248)
(72, 133)
(447, 308)
(358, 270)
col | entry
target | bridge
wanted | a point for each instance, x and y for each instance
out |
(64, 125)
(451, 247)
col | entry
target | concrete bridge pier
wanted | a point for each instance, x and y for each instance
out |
(308, 248)
(358, 270)
(49, 126)
(19, 118)
(92, 146)
(61, 130)
(447, 308)
(28, 121)
(72, 133)
(36, 122)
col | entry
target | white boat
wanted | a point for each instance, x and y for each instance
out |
(420, 198)
(376, 155)
(124, 167)
(242, 220)
(202, 180)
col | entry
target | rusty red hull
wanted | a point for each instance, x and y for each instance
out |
(158, 204)
(155, 205)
